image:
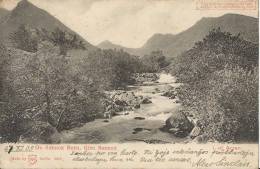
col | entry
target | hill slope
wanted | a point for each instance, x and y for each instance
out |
(173, 45)
(3, 12)
(25, 13)
(109, 45)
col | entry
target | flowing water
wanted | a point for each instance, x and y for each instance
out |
(139, 125)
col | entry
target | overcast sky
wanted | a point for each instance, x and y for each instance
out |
(126, 22)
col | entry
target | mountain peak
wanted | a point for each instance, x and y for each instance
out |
(26, 13)
(24, 7)
(173, 45)
(106, 42)
(24, 3)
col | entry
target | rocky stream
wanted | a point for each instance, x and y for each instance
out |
(145, 123)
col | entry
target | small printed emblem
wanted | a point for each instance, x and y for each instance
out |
(32, 159)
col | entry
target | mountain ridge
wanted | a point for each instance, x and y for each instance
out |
(174, 44)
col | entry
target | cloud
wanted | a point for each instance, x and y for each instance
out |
(126, 22)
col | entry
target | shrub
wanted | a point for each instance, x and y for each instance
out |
(154, 62)
(65, 41)
(111, 69)
(220, 76)
(217, 50)
(42, 87)
(230, 109)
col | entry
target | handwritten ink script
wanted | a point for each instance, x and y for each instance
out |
(129, 155)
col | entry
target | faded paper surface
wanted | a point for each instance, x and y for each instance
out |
(138, 135)
(141, 155)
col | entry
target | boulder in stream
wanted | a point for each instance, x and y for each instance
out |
(179, 125)
(145, 77)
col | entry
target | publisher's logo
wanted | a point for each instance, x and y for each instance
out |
(32, 159)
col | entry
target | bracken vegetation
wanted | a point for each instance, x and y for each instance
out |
(220, 86)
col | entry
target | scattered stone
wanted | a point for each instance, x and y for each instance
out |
(177, 101)
(139, 118)
(172, 97)
(146, 101)
(137, 130)
(137, 106)
(145, 77)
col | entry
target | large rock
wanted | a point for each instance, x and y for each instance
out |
(119, 100)
(41, 132)
(179, 125)
(127, 100)
(145, 77)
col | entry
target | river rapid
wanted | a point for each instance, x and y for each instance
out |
(140, 125)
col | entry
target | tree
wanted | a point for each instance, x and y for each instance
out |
(24, 40)
(66, 41)
(66, 97)
(47, 71)
(154, 61)
(111, 69)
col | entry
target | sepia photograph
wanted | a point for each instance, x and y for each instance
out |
(128, 71)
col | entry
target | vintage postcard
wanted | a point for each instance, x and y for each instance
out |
(129, 84)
